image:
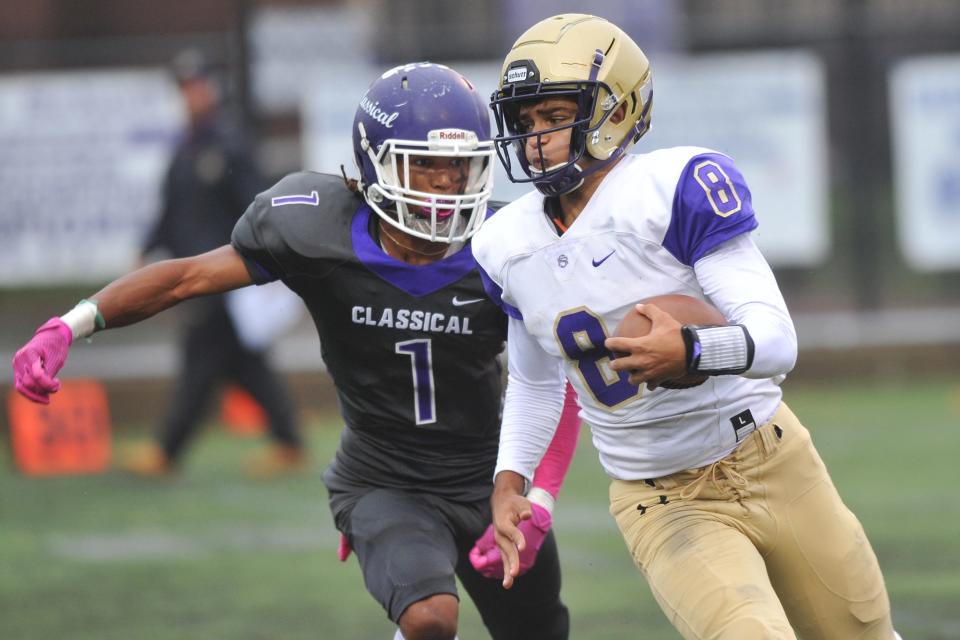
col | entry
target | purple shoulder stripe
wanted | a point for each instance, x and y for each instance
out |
(265, 274)
(495, 293)
(711, 205)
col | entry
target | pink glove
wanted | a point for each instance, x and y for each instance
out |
(485, 555)
(343, 549)
(36, 364)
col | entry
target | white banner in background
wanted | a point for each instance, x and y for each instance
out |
(82, 156)
(766, 110)
(291, 46)
(925, 122)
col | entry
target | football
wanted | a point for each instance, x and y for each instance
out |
(684, 309)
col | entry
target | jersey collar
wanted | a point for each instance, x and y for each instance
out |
(416, 280)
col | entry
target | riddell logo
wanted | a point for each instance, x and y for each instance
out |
(451, 139)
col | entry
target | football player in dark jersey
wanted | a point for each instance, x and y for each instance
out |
(385, 267)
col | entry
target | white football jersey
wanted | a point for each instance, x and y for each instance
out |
(650, 220)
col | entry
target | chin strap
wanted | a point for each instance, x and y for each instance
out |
(569, 179)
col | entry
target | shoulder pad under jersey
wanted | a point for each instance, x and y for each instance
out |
(304, 216)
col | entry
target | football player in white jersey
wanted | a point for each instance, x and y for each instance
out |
(721, 497)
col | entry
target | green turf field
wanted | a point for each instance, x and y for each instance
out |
(213, 555)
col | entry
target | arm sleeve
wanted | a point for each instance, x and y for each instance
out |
(556, 461)
(533, 404)
(737, 280)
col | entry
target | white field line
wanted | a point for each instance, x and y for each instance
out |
(154, 544)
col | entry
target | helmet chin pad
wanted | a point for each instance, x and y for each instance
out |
(558, 179)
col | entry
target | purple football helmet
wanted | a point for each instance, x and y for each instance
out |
(416, 110)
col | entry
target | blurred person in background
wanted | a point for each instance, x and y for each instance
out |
(211, 178)
(720, 495)
(386, 269)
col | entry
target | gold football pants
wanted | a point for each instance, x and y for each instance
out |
(757, 545)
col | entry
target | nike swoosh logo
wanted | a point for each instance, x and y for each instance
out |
(460, 303)
(599, 262)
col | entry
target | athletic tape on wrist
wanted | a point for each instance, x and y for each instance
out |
(84, 319)
(543, 498)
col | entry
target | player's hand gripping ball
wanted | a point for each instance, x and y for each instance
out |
(685, 310)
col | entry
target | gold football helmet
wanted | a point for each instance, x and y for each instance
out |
(591, 61)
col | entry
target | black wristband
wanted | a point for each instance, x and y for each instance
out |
(692, 342)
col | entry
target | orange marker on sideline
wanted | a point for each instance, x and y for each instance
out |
(71, 435)
(241, 414)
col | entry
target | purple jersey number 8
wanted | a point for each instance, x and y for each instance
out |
(719, 188)
(581, 336)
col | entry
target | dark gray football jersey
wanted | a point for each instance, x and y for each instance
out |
(411, 349)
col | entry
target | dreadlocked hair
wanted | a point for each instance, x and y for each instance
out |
(351, 183)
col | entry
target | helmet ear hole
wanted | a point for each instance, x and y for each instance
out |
(619, 114)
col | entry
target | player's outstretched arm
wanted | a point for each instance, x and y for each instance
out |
(134, 297)
(158, 286)
(485, 555)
